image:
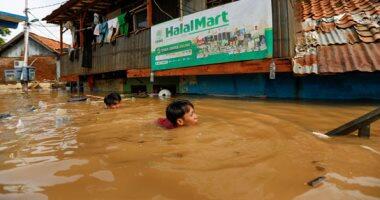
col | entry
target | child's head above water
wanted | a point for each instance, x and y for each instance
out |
(181, 113)
(112, 100)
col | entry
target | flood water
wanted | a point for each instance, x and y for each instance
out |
(241, 149)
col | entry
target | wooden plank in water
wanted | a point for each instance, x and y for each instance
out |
(362, 124)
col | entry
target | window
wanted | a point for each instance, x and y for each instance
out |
(214, 3)
(139, 19)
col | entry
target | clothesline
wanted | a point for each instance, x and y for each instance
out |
(83, 29)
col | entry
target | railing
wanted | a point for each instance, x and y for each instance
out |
(131, 52)
(362, 124)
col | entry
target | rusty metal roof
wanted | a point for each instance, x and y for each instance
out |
(72, 9)
(337, 29)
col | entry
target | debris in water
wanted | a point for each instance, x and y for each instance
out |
(320, 135)
(75, 99)
(5, 115)
(42, 105)
(317, 181)
(320, 168)
(32, 109)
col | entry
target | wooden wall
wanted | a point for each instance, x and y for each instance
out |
(131, 52)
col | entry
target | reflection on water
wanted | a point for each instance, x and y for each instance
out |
(241, 149)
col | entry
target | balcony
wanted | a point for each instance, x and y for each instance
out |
(131, 52)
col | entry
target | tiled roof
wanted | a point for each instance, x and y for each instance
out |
(47, 42)
(336, 27)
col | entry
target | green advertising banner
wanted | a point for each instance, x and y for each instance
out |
(236, 31)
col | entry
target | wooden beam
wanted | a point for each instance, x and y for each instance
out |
(362, 124)
(81, 27)
(60, 39)
(149, 15)
(244, 67)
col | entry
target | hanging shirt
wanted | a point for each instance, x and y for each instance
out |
(165, 123)
(97, 30)
(113, 29)
(123, 24)
(112, 23)
(103, 32)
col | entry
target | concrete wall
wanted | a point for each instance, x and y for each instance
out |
(45, 67)
(286, 85)
(346, 86)
(35, 49)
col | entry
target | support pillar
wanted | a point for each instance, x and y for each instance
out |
(149, 11)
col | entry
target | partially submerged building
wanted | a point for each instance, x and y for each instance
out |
(43, 55)
(324, 49)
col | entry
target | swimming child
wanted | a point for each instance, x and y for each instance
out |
(178, 113)
(112, 100)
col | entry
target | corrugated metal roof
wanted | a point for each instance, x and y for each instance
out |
(333, 27)
(343, 58)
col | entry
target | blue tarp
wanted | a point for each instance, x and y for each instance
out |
(9, 20)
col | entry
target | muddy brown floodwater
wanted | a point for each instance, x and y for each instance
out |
(241, 149)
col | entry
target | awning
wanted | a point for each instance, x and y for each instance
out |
(9, 20)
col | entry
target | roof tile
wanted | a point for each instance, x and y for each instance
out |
(342, 32)
(50, 43)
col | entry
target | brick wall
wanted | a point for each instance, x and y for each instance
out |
(45, 67)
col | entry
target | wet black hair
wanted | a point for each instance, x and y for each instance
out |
(112, 99)
(177, 109)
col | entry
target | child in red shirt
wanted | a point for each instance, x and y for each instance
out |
(178, 113)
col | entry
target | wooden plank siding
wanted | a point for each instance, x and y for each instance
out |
(283, 28)
(131, 52)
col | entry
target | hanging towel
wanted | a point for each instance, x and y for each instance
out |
(97, 30)
(123, 24)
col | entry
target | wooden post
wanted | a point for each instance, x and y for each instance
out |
(149, 13)
(364, 131)
(60, 38)
(81, 34)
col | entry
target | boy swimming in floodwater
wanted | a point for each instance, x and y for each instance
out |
(112, 100)
(178, 113)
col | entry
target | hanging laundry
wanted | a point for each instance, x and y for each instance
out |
(113, 29)
(103, 32)
(87, 49)
(123, 24)
(96, 19)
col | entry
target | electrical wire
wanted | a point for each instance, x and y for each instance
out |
(44, 26)
(47, 6)
(162, 10)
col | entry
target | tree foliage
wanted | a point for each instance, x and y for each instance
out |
(3, 32)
